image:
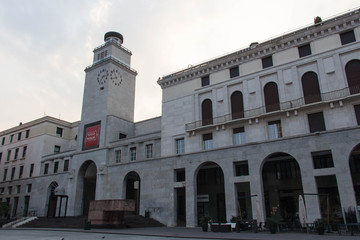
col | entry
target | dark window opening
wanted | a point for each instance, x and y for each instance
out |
(46, 168)
(304, 50)
(57, 149)
(271, 96)
(311, 89)
(316, 122)
(206, 112)
(27, 133)
(237, 105)
(357, 113)
(19, 136)
(56, 167)
(21, 170)
(352, 70)
(122, 135)
(66, 165)
(31, 170)
(12, 173)
(180, 175)
(59, 132)
(267, 62)
(322, 159)
(347, 37)
(234, 72)
(205, 81)
(241, 168)
(3, 141)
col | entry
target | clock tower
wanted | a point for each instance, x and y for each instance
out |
(109, 91)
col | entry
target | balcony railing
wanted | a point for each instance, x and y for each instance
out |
(284, 106)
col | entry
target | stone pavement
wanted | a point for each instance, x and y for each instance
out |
(155, 233)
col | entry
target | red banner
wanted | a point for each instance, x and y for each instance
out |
(92, 136)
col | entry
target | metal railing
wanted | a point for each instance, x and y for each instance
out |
(283, 106)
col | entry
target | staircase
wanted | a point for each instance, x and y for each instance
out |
(131, 221)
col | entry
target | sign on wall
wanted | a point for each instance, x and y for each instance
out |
(91, 135)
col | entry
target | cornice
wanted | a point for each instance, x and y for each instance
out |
(258, 50)
(114, 61)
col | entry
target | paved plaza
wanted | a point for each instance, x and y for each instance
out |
(154, 233)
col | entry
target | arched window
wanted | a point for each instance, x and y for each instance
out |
(271, 95)
(352, 70)
(311, 89)
(206, 112)
(237, 105)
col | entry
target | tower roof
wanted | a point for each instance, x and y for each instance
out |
(115, 35)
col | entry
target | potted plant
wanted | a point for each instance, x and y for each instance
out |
(272, 224)
(204, 221)
(317, 20)
(320, 225)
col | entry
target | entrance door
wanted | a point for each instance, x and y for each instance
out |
(180, 207)
(89, 193)
(52, 206)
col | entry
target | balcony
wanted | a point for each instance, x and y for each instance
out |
(296, 104)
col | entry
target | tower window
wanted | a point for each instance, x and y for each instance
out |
(234, 72)
(304, 50)
(59, 132)
(205, 81)
(347, 37)
(267, 62)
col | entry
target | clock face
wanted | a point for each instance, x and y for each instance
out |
(115, 77)
(102, 76)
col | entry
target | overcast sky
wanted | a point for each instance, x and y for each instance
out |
(45, 45)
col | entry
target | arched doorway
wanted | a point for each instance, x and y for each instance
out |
(52, 199)
(87, 185)
(211, 192)
(282, 186)
(354, 162)
(132, 189)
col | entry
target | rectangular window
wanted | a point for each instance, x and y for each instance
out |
(59, 132)
(19, 136)
(0, 156)
(322, 159)
(234, 72)
(3, 141)
(239, 135)
(267, 62)
(12, 173)
(357, 113)
(11, 138)
(2, 190)
(133, 154)
(9, 190)
(46, 168)
(56, 167)
(56, 149)
(28, 188)
(31, 170)
(16, 153)
(8, 155)
(27, 133)
(347, 37)
(118, 156)
(5, 174)
(241, 168)
(207, 141)
(21, 170)
(122, 136)
(66, 165)
(24, 152)
(275, 130)
(18, 188)
(149, 150)
(180, 146)
(205, 81)
(304, 50)
(316, 122)
(180, 175)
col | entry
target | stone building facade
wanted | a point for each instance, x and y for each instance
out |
(240, 135)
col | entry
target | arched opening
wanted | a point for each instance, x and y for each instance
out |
(282, 186)
(354, 162)
(132, 189)
(352, 70)
(211, 192)
(206, 112)
(86, 186)
(237, 105)
(52, 199)
(271, 96)
(311, 89)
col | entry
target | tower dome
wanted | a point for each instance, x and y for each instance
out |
(114, 36)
